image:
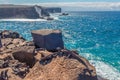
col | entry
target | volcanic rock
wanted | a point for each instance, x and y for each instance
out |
(25, 57)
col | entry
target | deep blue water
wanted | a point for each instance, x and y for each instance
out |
(96, 35)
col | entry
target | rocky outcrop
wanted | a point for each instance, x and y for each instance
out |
(62, 65)
(25, 62)
(48, 39)
(17, 11)
(12, 41)
(16, 56)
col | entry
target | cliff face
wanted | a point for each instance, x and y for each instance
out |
(53, 10)
(18, 12)
(22, 11)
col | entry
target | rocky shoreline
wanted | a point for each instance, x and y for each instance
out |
(22, 60)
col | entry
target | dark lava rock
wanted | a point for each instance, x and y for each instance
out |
(25, 57)
(4, 75)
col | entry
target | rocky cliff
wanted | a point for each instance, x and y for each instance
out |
(53, 9)
(24, 11)
(18, 12)
(20, 60)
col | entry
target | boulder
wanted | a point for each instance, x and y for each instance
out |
(48, 39)
(64, 65)
(25, 57)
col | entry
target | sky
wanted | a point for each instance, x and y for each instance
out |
(81, 5)
(39, 1)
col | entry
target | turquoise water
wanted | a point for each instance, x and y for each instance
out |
(96, 35)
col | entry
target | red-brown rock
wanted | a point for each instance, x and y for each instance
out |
(63, 67)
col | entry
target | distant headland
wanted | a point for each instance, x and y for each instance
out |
(27, 11)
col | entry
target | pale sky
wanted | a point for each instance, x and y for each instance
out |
(82, 5)
(39, 1)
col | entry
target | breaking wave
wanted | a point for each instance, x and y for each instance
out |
(32, 20)
(105, 70)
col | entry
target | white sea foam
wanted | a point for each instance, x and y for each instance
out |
(103, 69)
(32, 20)
(66, 35)
(106, 70)
(55, 16)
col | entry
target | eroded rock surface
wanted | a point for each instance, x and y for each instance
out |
(12, 41)
(64, 65)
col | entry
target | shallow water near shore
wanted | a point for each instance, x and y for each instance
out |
(96, 35)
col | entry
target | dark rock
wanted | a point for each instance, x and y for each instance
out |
(4, 75)
(10, 34)
(20, 70)
(48, 39)
(65, 14)
(44, 13)
(4, 63)
(50, 18)
(24, 56)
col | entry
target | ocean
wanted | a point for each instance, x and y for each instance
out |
(95, 35)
